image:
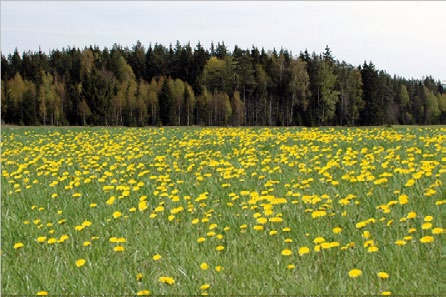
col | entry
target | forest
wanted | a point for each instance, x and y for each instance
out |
(181, 86)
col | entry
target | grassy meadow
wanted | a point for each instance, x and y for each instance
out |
(223, 211)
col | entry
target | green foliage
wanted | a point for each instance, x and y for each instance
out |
(107, 87)
(432, 107)
(404, 96)
(329, 96)
(166, 103)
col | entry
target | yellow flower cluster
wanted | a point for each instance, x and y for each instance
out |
(218, 199)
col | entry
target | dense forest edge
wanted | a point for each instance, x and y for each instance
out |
(182, 86)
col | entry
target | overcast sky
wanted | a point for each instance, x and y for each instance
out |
(403, 38)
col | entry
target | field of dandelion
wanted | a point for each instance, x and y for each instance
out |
(223, 210)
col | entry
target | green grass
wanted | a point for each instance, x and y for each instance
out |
(224, 179)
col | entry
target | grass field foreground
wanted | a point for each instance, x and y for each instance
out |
(223, 210)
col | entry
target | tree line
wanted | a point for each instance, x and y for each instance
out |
(181, 85)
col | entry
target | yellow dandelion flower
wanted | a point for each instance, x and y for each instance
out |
(428, 218)
(366, 234)
(42, 293)
(355, 273)
(77, 195)
(166, 280)
(119, 248)
(204, 266)
(108, 188)
(143, 293)
(156, 257)
(272, 232)
(111, 200)
(121, 239)
(337, 230)
(205, 287)
(303, 250)
(386, 293)
(371, 220)
(142, 205)
(372, 249)
(159, 208)
(276, 220)
(258, 228)
(403, 199)
(261, 220)
(361, 224)
(287, 252)
(79, 228)
(18, 245)
(411, 215)
(325, 245)
(427, 239)
(52, 240)
(41, 239)
(80, 262)
(201, 239)
(63, 238)
(291, 266)
(383, 275)
(288, 240)
(426, 226)
(139, 277)
(332, 244)
(318, 213)
(400, 242)
(410, 183)
(319, 240)
(286, 229)
(369, 242)
(437, 230)
(220, 248)
(218, 268)
(117, 214)
(86, 223)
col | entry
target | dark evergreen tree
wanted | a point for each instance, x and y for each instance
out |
(372, 114)
(166, 104)
(137, 60)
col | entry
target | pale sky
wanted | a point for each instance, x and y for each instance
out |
(407, 38)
